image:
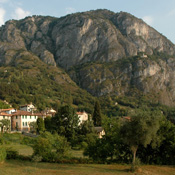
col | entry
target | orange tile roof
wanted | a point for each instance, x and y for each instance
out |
(80, 113)
(4, 114)
(6, 109)
(19, 112)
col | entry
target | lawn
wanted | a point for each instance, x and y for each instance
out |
(14, 167)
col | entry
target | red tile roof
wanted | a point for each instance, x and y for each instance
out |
(7, 109)
(4, 114)
(80, 113)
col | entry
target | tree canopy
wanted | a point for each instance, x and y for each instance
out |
(141, 129)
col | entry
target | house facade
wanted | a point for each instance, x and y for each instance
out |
(29, 108)
(21, 120)
(83, 116)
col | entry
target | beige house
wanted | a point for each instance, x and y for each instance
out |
(21, 119)
(83, 116)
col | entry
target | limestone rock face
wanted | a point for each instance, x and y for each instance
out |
(106, 53)
(152, 77)
(79, 38)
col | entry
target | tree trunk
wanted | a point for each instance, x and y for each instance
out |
(134, 150)
(134, 157)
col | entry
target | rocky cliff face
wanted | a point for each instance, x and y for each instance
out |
(83, 37)
(137, 74)
(102, 38)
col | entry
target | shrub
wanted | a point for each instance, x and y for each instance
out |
(50, 147)
(1, 140)
(2, 154)
(11, 153)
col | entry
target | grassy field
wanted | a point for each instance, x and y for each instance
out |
(14, 167)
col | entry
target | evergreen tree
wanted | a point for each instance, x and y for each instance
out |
(40, 125)
(97, 116)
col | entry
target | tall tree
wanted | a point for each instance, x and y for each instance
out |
(66, 122)
(40, 125)
(97, 116)
(141, 129)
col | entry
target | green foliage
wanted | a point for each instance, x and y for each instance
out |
(51, 147)
(1, 139)
(97, 116)
(40, 125)
(87, 127)
(41, 84)
(5, 125)
(164, 152)
(11, 153)
(141, 129)
(66, 122)
(48, 123)
(3, 154)
(33, 127)
(3, 105)
(27, 140)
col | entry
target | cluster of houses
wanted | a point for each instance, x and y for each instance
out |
(20, 119)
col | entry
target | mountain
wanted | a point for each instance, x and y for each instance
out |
(105, 53)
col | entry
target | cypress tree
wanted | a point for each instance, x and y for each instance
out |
(40, 125)
(97, 114)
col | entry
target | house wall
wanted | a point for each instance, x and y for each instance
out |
(23, 122)
(26, 120)
(16, 123)
(83, 117)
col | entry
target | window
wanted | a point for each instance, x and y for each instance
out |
(23, 124)
(22, 117)
(16, 117)
(30, 117)
(3, 117)
(26, 117)
(35, 117)
(16, 124)
(26, 123)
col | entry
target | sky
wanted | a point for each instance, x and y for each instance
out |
(160, 14)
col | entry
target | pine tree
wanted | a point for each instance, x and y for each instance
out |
(97, 114)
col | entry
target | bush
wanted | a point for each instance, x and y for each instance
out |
(51, 148)
(27, 141)
(11, 153)
(1, 140)
(2, 154)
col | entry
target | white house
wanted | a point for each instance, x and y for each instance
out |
(21, 119)
(8, 111)
(49, 112)
(28, 107)
(83, 116)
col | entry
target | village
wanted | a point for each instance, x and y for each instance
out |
(20, 120)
